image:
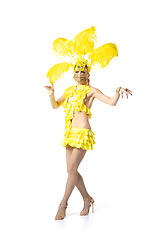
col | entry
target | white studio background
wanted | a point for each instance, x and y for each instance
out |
(122, 172)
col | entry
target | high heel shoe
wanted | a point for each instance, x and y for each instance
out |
(59, 217)
(91, 203)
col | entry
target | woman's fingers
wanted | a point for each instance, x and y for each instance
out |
(47, 87)
(129, 91)
(126, 91)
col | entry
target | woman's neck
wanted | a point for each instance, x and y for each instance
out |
(80, 84)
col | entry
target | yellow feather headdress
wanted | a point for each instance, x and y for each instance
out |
(81, 51)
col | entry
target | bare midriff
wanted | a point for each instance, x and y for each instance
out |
(81, 120)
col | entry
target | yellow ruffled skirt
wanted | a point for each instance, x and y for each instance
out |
(80, 138)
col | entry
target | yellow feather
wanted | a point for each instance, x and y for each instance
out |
(84, 42)
(102, 55)
(58, 70)
(81, 48)
(63, 47)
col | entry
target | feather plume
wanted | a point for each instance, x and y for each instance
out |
(63, 47)
(58, 70)
(81, 49)
(84, 42)
(102, 55)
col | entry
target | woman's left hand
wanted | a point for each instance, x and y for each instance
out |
(125, 90)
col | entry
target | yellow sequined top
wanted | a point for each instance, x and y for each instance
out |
(76, 104)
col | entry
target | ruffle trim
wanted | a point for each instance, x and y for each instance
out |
(80, 138)
(77, 104)
(83, 89)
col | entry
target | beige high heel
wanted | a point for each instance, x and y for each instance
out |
(91, 203)
(58, 217)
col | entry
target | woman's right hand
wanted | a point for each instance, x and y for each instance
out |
(50, 89)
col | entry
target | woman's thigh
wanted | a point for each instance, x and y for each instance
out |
(69, 150)
(74, 157)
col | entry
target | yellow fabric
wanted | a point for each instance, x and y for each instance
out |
(80, 138)
(76, 104)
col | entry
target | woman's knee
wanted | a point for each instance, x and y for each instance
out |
(71, 168)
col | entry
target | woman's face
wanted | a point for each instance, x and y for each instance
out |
(82, 77)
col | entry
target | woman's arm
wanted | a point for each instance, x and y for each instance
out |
(103, 98)
(55, 104)
(111, 101)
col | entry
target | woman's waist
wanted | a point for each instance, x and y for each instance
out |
(81, 120)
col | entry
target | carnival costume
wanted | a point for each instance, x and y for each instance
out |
(82, 54)
(75, 136)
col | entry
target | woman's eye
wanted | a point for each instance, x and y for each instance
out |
(78, 71)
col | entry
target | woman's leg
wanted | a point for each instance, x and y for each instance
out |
(72, 166)
(73, 176)
(80, 183)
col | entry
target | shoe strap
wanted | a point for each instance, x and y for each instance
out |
(91, 201)
(64, 205)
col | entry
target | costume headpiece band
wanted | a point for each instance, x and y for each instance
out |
(82, 53)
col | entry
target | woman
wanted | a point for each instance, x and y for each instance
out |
(77, 101)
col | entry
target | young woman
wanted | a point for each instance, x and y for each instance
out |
(78, 138)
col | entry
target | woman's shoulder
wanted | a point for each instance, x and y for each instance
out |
(93, 89)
